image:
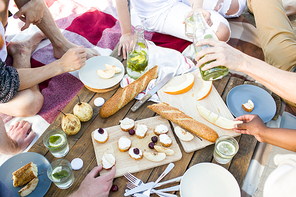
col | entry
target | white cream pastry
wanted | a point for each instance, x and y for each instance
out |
(161, 129)
(165, 140)
(135, 153)
(127, 124)
(141, 130)
(124, 143)
(101, 135)
(108, 161)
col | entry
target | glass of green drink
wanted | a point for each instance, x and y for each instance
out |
(225, 149)
(138, 54)
(189, 26)
(56, 142)
(60, 173)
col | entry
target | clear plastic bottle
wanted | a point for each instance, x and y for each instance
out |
(137, 55)
(203, 31)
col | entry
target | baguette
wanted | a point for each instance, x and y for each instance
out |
(124, 95)
(175, 115)
(29, 188)
(25, 174)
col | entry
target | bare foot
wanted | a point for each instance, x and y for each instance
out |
(21, 50)
(59, 51)
(21, 134)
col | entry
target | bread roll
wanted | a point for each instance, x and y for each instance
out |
(175, 115)
(124, 95)
(25, 174)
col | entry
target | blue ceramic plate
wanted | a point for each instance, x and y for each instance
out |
(265, 106)
(89, 77)
(20, 160)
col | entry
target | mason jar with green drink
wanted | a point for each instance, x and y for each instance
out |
(137, 55)
(203, 31)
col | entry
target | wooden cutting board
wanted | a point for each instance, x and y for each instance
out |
(187, 102)
(124, 162)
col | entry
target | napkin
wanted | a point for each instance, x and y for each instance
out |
(168, 61)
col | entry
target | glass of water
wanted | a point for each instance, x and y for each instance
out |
(225, 149)
(56, 142)
(60, 173)
(189, 26)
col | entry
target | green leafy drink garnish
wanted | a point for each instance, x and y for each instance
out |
(56, 140)
(138, 61)
(60, 174)
(208, 36)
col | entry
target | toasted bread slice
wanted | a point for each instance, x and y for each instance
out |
(24, 174)
(29, 188)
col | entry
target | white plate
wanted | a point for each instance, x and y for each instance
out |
(19, 160)
(89, 77)
(208, 180)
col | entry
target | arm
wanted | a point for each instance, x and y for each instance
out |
(72, 60)
(30, 11)
(16, 139)
(123, 10)
(284, 138)
(279, 81)
(93, 186)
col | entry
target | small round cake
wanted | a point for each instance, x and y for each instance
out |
(108, 161)
(124, 143)
(126, 124)
(101, 135)
(161, 129)
(135, 153)
(165, 140)
(141, 130)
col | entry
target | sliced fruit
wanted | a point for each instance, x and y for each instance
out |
(155, 157)
(56, 140)
(205, 89)
(106, 74)
(109, 67)
(216, 119)
(161, 149)
(226, 123)
(183, 135)
(183, 87)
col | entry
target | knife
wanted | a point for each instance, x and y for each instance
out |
(151, 92)
(140, 188)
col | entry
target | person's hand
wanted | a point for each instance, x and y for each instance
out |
(206, 14)
(31, 12)
(224, 54)
(124, 43)
(73, 59)
(252, 125)
(21, 135)
(93, 186)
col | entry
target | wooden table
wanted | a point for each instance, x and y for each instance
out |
(82, 147)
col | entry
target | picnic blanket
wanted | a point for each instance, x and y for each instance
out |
(94, 24)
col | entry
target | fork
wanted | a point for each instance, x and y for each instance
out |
(165, 172)
(133, 179)
(161, 192)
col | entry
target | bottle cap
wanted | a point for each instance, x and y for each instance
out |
(76, 164)
(99, 101)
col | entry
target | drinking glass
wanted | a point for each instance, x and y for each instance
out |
(60, 173)
(225, 149)
(189, 26)
(56, 142)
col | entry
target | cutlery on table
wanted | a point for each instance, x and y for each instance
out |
(165, 172)
(160, 192)
(142, 186)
